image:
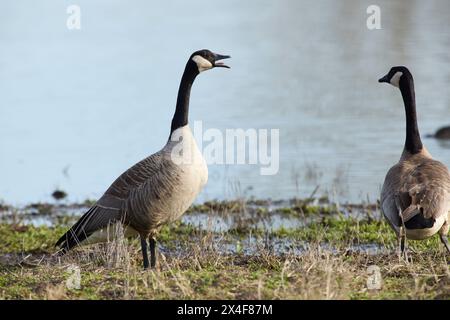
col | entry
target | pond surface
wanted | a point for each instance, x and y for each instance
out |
(77, 108)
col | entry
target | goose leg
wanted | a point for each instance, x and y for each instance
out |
(144, 252)
(402, 231)
(443, 235)
(444, 240)
(403, 248)
(152, 252)
(402, 243)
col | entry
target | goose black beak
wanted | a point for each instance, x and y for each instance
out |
(384, 79)
(218, 63)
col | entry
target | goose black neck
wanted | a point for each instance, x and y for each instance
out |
(413, 143)
(180, 118)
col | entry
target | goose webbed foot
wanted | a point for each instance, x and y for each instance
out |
(404, 254)
(144, 252)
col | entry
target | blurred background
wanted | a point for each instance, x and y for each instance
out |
(78, 107)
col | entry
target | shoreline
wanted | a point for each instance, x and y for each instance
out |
(291, 249)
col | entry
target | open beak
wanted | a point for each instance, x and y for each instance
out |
(384, 79)
(218, 63)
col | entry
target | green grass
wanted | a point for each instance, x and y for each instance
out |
(29, 239)
(316, 275)
(190, 267)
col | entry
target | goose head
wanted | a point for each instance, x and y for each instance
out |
(205, 60)
(395, 75)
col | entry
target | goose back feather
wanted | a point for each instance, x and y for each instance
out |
(153, 192)
(420, 187)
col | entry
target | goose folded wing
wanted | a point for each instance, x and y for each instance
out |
(110, 208)
(428, 187)
(107, 210)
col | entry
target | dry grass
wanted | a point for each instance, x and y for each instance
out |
(114, 271)
(320, 263)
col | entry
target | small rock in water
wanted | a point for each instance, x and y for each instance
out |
(59, 194)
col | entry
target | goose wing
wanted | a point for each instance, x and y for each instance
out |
(106, 211)
(428, 188)
(130, 189)
(391, 187)
(416, 188)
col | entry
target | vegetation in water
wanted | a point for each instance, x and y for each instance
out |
(329, 257)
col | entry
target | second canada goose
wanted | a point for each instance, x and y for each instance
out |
(156, 190)
(415, 197)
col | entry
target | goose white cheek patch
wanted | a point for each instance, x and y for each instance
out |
(202, 63)
(395, 80)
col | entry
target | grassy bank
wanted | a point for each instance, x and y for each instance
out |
(328, 258)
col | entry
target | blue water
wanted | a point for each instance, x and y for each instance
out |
(79, 107)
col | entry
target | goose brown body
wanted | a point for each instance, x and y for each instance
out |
(156, 190)
(415, 197)
(153, 192)
(417, 185)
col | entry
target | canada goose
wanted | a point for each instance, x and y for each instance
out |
(415, 197)
(442, 133)
(156, 190)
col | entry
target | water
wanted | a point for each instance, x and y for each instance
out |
(217, 224)
(79, 107)
(272, 219)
